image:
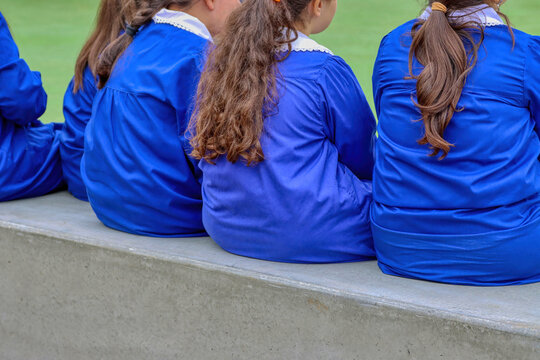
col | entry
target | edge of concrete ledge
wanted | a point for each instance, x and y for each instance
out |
(515, 327)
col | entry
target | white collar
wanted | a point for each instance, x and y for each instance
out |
(183, 21)
(305, 43)
(483, 14)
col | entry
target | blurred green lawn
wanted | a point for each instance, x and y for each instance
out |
(50, 34)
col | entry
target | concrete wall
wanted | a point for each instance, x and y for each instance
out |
(72, 289)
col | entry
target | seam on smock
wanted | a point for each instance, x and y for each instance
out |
(528, 50)
(378, 60)
(347, 172)
(318, 81)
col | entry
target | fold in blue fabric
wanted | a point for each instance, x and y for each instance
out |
(472, 218)
(308, 201)
(29, 156)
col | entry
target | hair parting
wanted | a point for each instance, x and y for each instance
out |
(238, 87)
(448, 52)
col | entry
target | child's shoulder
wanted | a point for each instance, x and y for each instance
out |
(163, 43)
(398, 33)
(305, 64)
(4, 28)
(523, 37)
(308, 59)
(181, 30)
(177, 37)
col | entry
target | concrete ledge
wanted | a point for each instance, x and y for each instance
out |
(72, 289)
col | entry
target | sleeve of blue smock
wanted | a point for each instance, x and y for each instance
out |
(22, 97)
(186, 96)
(532, 79)
(78, 106)
(350, 121)
(376, 79)
(77, 113)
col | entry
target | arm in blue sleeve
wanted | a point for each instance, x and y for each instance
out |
(376, 79)
(22, 97)
(78, 109)
(77, 113)
(185, 107)
(532, 80)
(351, 124)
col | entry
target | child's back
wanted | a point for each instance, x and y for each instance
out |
(304, 201)
(470, 217)
(138, 175)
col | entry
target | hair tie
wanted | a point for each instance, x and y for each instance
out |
(132, 30)
(437, 6)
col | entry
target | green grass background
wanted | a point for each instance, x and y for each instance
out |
(50, 34)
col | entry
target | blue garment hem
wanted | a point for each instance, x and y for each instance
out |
(156, 235)
(498, 258)
(388, 270)
(60, 187)
(288, 261)
(78, 196)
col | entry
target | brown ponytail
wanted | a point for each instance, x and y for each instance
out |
(238, 87)
(448, 52)
(110, 20)
(145, 11)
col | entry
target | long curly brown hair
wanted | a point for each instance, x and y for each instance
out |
(238, 87)
(448, 51)
(110, 21)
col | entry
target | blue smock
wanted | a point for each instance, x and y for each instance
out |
(305, 203)
(135, 166)
(29, 157)
(472, 218)
(77, 113)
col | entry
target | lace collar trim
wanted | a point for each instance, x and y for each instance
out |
(183, 21)
(483, 14)
(305, 43)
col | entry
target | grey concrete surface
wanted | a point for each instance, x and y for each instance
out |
(72, 289)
